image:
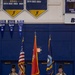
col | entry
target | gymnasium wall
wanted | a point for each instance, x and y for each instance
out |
(54, 14)
(50, 22)
(63, 47)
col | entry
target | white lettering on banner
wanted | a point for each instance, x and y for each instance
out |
(33, 1)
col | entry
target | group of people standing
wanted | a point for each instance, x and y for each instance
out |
(60, 71)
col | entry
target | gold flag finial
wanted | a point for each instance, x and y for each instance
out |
(49, 37)
(23, 39)
(35, 33)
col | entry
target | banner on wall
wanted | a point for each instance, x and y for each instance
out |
(13, 7)
(2, 27)
(11, 24)
(36, 7)
(20, 25)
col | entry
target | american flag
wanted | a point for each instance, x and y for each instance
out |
(21, 61)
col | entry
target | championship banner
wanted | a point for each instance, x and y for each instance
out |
(20, 25)
(2, 27)
(36, 7)
(11, 27)
(13, 7)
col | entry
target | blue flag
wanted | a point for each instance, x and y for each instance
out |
(11, 26)
(20, 24)
(2, 27)
(49, 59)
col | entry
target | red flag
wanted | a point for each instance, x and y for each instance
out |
(35, 67)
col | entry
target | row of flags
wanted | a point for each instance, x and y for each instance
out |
(35, 63)
(14, 7)
(11, 24)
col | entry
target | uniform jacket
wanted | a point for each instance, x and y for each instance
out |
(60, 74)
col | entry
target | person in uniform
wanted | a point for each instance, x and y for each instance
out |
(13, 71)
(60, 71)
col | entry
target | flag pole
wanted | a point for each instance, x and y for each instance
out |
(22, 44)
(23, 39)
(21, 61)
(35, 66)
(49, 42)
(35, 33)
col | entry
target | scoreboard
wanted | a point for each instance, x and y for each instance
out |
(70, 6)
(0, 4)
(70, 11)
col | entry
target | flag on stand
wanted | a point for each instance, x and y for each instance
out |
(21, 62)
(35, 67)
(49, 59)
